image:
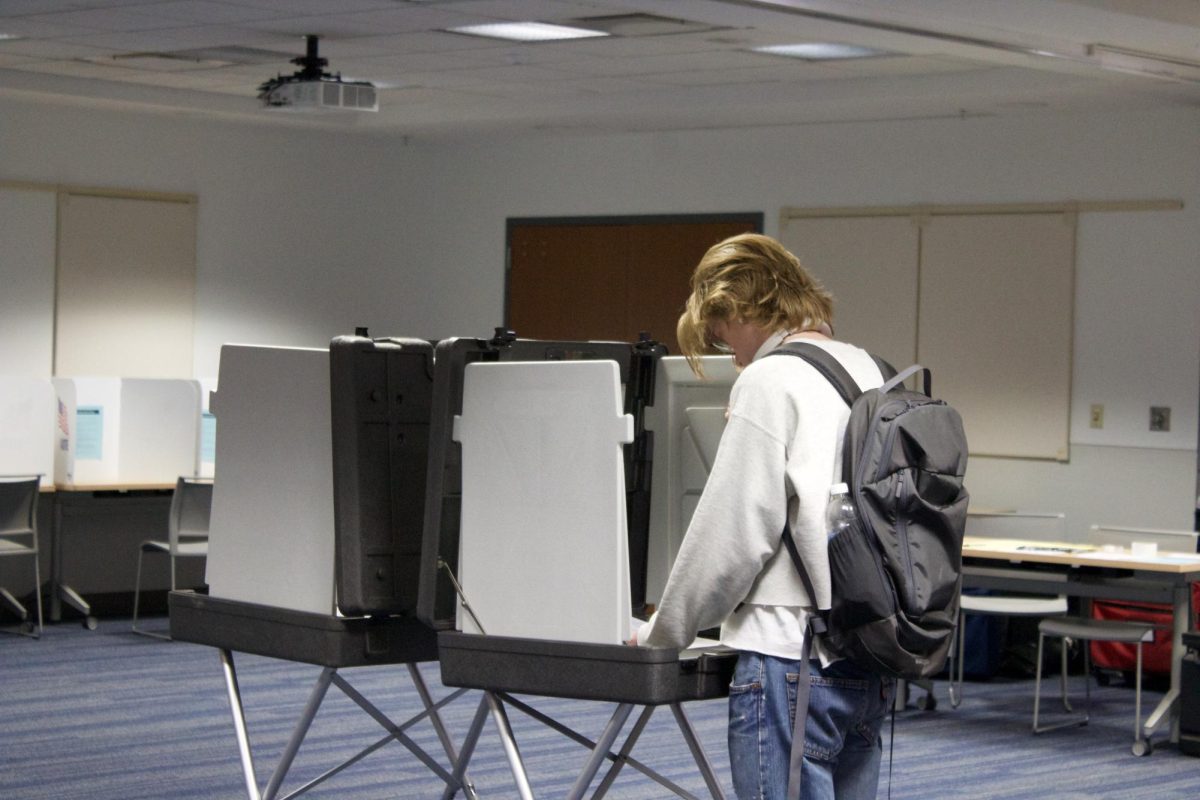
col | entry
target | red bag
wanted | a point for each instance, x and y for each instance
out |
(1156, 655)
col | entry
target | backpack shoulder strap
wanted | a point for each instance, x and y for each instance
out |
(825, 364)
(885, 369)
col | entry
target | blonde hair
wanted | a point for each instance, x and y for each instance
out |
(753, 278)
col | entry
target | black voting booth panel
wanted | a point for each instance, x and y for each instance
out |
(380, 392)
(502, 666)
(636, 362)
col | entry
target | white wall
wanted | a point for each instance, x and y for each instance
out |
(303, 235)
(298, 232)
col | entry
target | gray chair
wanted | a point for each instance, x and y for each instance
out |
(187, 535)
(1088, 630)
(18, 537)
(1024, 525)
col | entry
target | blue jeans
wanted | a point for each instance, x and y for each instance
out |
(842, 745)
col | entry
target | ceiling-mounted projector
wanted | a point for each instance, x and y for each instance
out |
(313, 89)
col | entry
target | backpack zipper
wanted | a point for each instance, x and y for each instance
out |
(901, 525)
(902, 496)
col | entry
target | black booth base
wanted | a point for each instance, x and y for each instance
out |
(323, 639)
(611, 673)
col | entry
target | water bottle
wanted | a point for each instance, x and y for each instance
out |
(839, 514)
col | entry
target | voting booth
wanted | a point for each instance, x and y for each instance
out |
(27, 420)
(27, 426)
(686, 420)
(120, 446)
(316, 526)
(531, 449)
(126, 431)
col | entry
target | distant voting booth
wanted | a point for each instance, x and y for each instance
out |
(28, 415)
(27, 423)
(316, 527)
(545, 532)
(126, 431)
(120, 446)
(208, 429)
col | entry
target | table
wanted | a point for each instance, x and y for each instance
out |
(73, 499)
(1089, 572)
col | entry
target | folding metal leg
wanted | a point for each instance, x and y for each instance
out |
(622, 757)
(510, 745)
(468, 747)
(316, 697)
(600, 751)
(457, 778)
(239, 723)
(693, 742)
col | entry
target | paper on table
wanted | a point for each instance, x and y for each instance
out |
(1160, 558)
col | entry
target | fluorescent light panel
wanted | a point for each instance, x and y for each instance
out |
(527, 31)
(820, 51)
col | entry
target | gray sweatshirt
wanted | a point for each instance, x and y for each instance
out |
(781, 451)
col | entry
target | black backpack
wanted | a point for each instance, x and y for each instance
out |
(896, 575)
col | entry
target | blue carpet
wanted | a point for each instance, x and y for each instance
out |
(108, 715)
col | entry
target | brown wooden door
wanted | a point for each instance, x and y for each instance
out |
(611, 280)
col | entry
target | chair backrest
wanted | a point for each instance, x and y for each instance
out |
(190, 508)
(1176, 541)
(1038, 526)
(18, 504)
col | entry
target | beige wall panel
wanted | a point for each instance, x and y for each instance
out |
(26, 281)
(126, 287)
(995, 327)
(870, 266)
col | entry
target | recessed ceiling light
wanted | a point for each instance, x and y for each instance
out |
(820, 51)
(527, 31)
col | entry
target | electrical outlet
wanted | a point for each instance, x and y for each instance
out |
(1097, 419)
(1160, 418)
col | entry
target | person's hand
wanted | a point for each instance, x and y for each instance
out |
(632, 640)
